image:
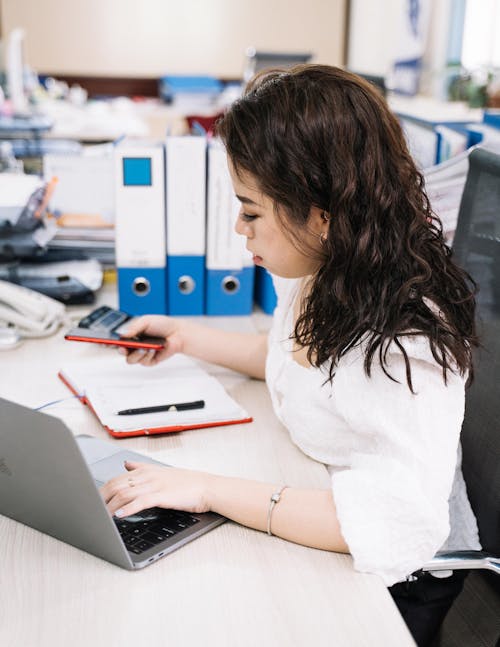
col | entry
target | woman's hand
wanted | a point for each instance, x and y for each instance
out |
(147, 486)
(306, 517)
(243, 352)
(156, 326)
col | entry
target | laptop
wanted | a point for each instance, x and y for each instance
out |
(49, 480)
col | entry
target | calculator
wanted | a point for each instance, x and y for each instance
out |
(105, 318)
(105, 325)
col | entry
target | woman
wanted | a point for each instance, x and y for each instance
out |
(373, 331)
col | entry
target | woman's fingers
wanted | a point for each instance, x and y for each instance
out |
(134, 465)
(122, 481)
(135, 505)
(155, 325)
(141, 356)
(144, 486)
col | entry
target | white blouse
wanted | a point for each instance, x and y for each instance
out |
(394, 457)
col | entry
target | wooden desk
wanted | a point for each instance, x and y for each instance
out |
(232, 587)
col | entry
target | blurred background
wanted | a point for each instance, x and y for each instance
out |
(79, 77)
(124, 41)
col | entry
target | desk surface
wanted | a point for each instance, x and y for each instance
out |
(232, 587)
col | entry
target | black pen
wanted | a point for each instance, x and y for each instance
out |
(178, 406)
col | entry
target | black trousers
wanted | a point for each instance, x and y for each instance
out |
(425, 602)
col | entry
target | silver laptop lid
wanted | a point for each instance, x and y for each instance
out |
(46, 484)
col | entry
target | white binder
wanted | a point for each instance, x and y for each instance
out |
(141, 254)
(186, 218)
(230, 269)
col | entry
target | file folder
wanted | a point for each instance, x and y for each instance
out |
(485, 134)
(141, 254)
(229, 266)
(186, 210)
(491, 117)
(265, 294)
(451, 140)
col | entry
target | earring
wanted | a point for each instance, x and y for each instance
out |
(323, 237)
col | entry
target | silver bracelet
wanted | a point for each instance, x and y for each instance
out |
(272, 502)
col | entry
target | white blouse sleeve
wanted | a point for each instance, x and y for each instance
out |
(392, 500)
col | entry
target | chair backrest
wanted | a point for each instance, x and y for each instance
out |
(476, 245)
(481, 438)
(476, 248)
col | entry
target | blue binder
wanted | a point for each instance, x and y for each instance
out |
(186, 218)
(265, 294)
(186, 285)
(142, 291)
(229, 266)
(491, 117)
(229, 292)
(140, 227)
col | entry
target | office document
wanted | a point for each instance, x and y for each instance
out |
(455, 139)
(141, 253)
(445, 181)
(16, 190)
(444, 185)
(84, 194)
(108, 386)
(422, 142)
(230, 270)
(450, 141)
(186, 196)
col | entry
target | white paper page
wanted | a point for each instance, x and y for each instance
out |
(111, 368)
(111, 385)
(219, 406)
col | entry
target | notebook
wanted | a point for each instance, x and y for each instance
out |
(108, 385)
(50, 482)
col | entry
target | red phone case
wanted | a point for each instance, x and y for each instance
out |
(148, 343)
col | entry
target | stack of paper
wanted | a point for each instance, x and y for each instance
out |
(445, 182)
(84, 202)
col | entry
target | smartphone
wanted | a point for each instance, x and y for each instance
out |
(113, 338)
(105, 325)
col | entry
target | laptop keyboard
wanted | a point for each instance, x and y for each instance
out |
(146, 529)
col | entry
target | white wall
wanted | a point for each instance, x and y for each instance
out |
(374, 34)
(481, 37)
(147, 38)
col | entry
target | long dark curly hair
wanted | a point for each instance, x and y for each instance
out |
(320, 136)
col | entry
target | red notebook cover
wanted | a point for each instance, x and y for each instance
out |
(132, 425)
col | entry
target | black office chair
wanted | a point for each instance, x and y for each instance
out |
(474, 619)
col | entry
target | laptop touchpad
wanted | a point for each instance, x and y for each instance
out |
(112, 466)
